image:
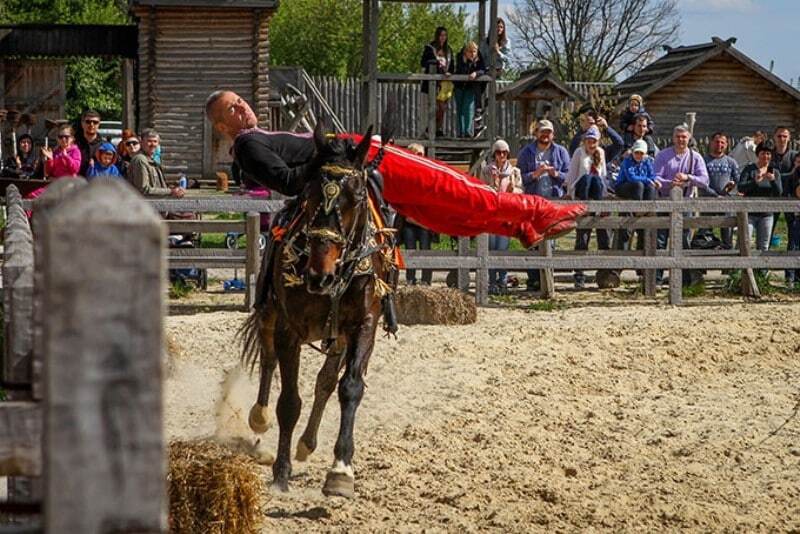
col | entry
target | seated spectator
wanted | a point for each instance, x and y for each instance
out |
(502, 176)
(415, 237)
(105, 160)
(628, 117)
(64, 160)
(759, 180)
(592, 118)
(27, 163)
(469, 63)
(586, 181)
(88, 138)
(132, 147)
(636, 181)
(745, 150)
(639, 132)
(146, 175)
(544, 166)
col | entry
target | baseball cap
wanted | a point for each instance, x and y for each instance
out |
(639, 146)
(592, 133)
(544, 124)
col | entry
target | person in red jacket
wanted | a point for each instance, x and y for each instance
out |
(434, 194)
(64, 160)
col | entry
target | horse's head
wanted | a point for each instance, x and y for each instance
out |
(335, 209)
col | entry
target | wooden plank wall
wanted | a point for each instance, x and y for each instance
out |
(726, 96)
(184, 56)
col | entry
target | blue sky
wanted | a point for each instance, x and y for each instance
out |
(765, 29)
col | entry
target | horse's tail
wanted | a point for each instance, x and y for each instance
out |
(250, 336)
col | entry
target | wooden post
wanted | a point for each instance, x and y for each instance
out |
(676, 249)
(749, 285)
(463, 274)
(45, 205)
(104, 461)
(482, 273)
(546, 278)
(649, 251)
(490, 112)
(128, 103)
(431, 152)
(252, 262)
(691, 119)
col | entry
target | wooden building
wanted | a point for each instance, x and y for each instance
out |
(728, 91)
(187, 49)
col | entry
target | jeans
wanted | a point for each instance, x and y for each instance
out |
(465, 109)
(793, 227)
(496, 276)
(589, 188)
(413, 234)
(763, 226)
(634, 191)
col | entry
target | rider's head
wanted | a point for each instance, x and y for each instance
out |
(229, 113)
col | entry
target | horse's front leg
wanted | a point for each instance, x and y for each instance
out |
(259, 419)
(287, 347)
(326, 383)
(341, 478)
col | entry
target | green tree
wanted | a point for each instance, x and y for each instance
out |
(92, 82)
(324, 36)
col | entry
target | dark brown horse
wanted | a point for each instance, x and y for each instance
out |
(327, 275)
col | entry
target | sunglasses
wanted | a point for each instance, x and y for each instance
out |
(65, 137)
(131, 143)
(91, 121)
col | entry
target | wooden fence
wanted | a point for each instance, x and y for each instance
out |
(87, 311)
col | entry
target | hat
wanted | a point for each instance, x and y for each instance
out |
(637, 98)
(639, 146)
(544, 124)
(107, 147)
(500, 145)
(592, 132)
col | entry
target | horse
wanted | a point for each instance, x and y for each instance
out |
(330, 270)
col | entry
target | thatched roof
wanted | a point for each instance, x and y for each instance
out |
(256, 4)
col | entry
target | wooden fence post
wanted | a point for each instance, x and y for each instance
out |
(546, 278)
(482, 273)
(103, 341)
(749, 285)
(676, 248)
(650, 247)
(253, 260)
(463, 274)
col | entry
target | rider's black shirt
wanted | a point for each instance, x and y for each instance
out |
(278, 160)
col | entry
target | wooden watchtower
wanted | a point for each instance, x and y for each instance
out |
(372, 78)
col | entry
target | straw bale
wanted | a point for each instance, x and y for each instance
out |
(435, 305)
(213, 489)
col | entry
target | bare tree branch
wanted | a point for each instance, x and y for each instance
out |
(592, 40)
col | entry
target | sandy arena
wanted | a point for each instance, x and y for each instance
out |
(635, 418)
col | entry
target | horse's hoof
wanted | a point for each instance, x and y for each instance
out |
(259, 419)
(339, 485)
(282, 487)
(303, 451)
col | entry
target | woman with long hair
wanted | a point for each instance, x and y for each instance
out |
(437, 54)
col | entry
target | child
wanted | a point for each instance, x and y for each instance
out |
(628, 118)
(104, 163)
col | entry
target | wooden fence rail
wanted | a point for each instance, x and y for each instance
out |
(95, 438)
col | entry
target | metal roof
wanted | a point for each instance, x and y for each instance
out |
(223, 4)
(68, 40)
(678, 61)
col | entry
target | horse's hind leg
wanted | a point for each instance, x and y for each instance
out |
(289, 404)
(259, 419)
(326, 383)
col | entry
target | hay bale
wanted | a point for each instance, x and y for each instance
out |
(435, 305)
(213, 489)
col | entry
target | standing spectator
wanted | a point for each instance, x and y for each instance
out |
(628, 117)
(723, 176)
(469, 63)
(415, 237)
(586, 181)
(146, 175)
(437, 54)
(745, 150)
(88, 139)
(639, 132)
(64, 160)
(503, 177)
(105, 161)
(636, 181)
(544, 166)
(793, 230)
(27, 163)
(502, 59)
(762, 179)
(679, 166)
(783, 160)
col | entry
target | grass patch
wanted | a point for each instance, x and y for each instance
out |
(179, 289)
(212, 241)
(733, 285)
(694, 290)
(546, 306)
(507, 300)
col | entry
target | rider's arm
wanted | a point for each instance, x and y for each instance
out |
(267, 168)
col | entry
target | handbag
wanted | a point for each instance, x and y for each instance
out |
(445, 91)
